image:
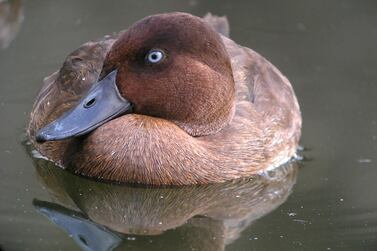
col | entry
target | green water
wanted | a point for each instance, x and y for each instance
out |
(328, 49)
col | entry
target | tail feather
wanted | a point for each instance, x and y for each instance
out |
(219, 24)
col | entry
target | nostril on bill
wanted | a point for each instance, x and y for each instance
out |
(90, 103)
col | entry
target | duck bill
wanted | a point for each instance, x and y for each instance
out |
(102, 103)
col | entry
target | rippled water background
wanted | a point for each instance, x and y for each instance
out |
(328, 49)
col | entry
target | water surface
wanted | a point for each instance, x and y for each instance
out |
(327, 49)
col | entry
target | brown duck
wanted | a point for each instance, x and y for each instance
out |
(170, 101)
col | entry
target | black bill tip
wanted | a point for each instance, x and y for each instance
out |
(41, 137)
(101, 104)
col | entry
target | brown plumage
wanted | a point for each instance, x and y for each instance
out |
(211, 111)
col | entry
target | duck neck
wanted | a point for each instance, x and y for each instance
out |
(210, 123)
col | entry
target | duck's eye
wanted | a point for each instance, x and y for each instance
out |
(155, 56)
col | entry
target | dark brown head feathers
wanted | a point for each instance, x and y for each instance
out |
(192, 86)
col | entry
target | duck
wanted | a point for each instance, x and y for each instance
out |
(172, 100)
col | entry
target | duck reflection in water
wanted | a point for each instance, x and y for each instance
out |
(102, 216)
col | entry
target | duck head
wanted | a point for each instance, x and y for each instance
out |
(172, 66)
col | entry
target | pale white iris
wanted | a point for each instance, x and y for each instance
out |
(155, 56)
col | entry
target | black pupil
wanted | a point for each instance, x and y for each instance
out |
(154, 56)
